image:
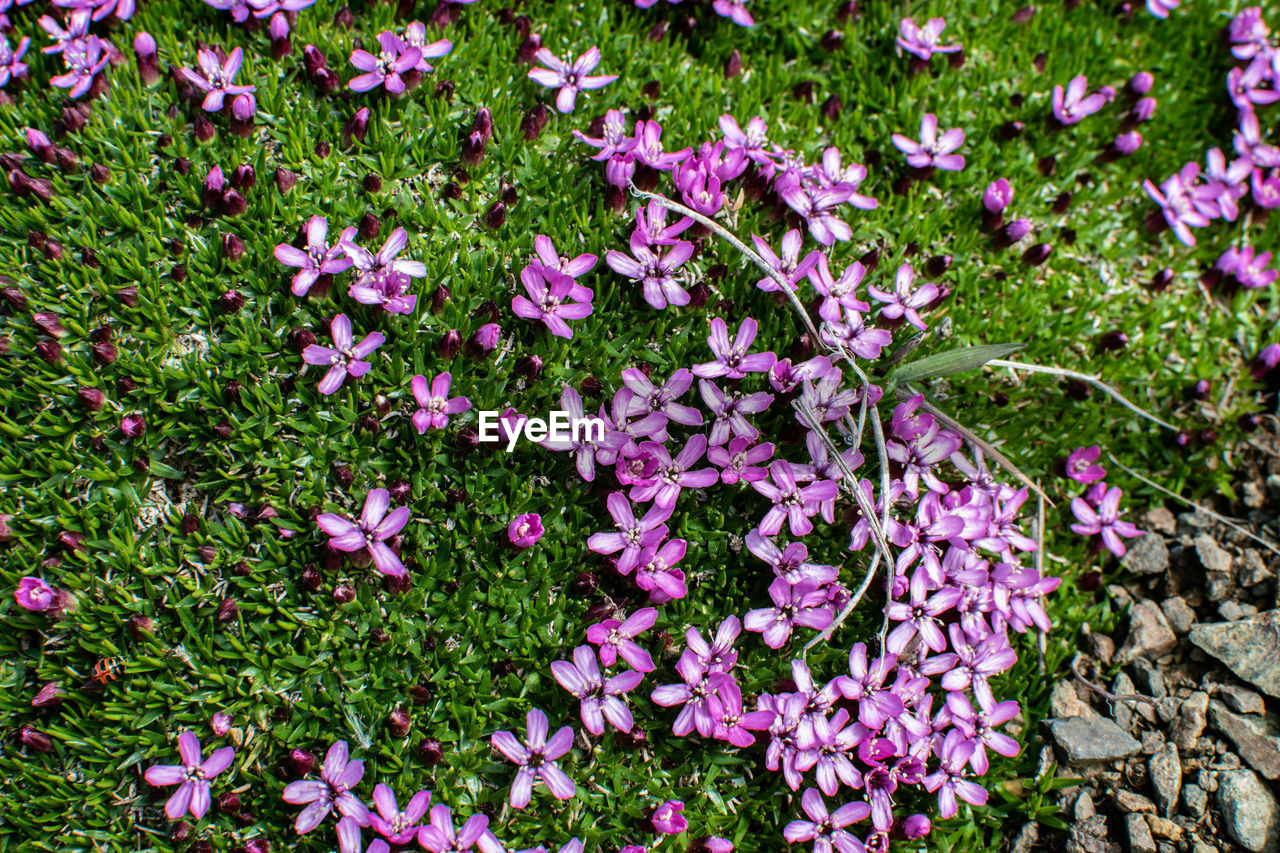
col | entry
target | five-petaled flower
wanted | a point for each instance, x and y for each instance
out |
(536, 758)
(395, 57)
(435, 403)
(345, 358)
(332, 791)
(215, 77)
(569, 78)
(192, 776)
(374, 528)
(932, 150)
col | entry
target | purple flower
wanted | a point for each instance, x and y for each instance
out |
(1104, 521)
(548, 291)
(997, 196)
(948, 780)
(656, 575)
(649, 398)
(84, 58)
(788, 264)
(790, 563)
(1082, 465)
(979, 727)
(394, 58)
(667, 819)
(536, 758)
(932, 150)
(1178, 202)
(440, 837)
(192, 775)
(1250, 268)
(1071, 105)
(816, 206)
(673, 475)
(545, 254)
(976, 662)
(318, 259)
(415, 35)
(923, 41)
(398, 827)
(1265, 361)
(648, 148)
(569, 78)
(435, 403)
(215, 77)
(802, 604)
(730, 409)
(588, 447)
(1161, 9)
(921, 616)
(903, 302)
(701, 708)
(731, 358)
(599, 696)
(11, 65)
(633, 536)
(719, 656)
(372, 269)
(337, 777)
(791, 502)
(615, 141)
(617, 639)
(736, 725)
(34, 594)
(524, 531)
(654, 271)
(826, 829)
(740, 460)
(375, 527)
(345, 358)
(77, 27)
(865, 684)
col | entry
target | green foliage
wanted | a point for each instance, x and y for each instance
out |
(296, 669)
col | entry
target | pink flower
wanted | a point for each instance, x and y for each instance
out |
(395, 57)
(375, 526)
(192, 776)
(1104, 521)
(668, 820)
(923, 41)
(435, 402)
(570, 79)
(345, 358)
(549, 293)
(537, 759)
(34, 594)
(525, 530)
(319, 258)
(617, 639)
(1071, 105)
(215, 77)
(932, 150)
(1082, 465)
(601, 698)
(221, 723)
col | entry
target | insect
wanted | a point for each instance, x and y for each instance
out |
(108, 669)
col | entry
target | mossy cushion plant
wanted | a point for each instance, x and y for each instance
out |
(845, 305)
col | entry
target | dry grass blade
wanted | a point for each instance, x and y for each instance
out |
(1083, 377)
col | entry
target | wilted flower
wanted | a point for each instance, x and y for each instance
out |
(668, 820)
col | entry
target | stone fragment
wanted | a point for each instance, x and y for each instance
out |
(1132, 803)
(1065, 701)
(1164, 770)
(1241, 699)
(1164, 828)
(1088, 740)
(1122, 712)
(1148, 555)
(1254, 738)
(1103, 647)
(1211, 554)
(1160, 520)
(1248, 811)
(1140, 840)
(1195, 800)
(1178, 613)
(1149, 634)
(1090, 836)
(1249, 647)
(1253, 569)
(1192, 719)
(1147, 678)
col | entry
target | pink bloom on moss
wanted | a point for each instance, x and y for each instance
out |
(601, 698)
(1104, 520)
(617, 639)
(398, 827)
(569, 78)
(374, 528)
(319, 258)
(932, 149)
(345, 357)
(549, 293)
(1070, 105)
(1082, 465)
(395, 57)
(415, 35)
(34, 594)
(668, 820)
(923, 41)
(435, 403)
(192, 776)
(525, 530)
(536, 758)
(215, 77)
(333, 791)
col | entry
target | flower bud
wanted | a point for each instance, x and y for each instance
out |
(430, 751)
(449, 344)
(1013, 232)
(99, 174)
(1061, 202)
(231, 301)
(528, 49)
(228, 610)
(126, 385)
(399, 722)
(232, 247)
(203, 129)
(1161, 279)
(91, 398)
(1112, 341)
(495, 216)
(311, 578)
(529, 366)
(49, 350)
(445, 90)
(141, 627)
(49, 324)
(584, 584)
(229, 803)
(50, 695)
(733, 65)
(485, 340)
(281, 46)
(285, 180)
(535, 121)
(832, 107)
(302, 762)
(466, 439)
(321, 149)
(356, 127)
(13, 297)
(33, 739)
(378, 636)
(344, 594)
(6, 532)
(1126, 143)
(344, 18)
(1142, 111)
(473, 149)
(1037, 254)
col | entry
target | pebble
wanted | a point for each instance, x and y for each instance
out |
(1149, 634)
(1132, 803)
(1211, 555)
(1148, 678)
(1164, 770)
(1231, 610)
(1161, 520)
(1147, 556)
(1104, 648)
(1178, 613)
(1241, 700)
(1253, 569)
(1140, 840)
(1122, 712)
(1195, 800)
(1083, 740)
(1192, 718)
(1084, 807)
(1065, 701)
(1164, 828)
(1249, 647)
(1254, 738)
(1248, 810)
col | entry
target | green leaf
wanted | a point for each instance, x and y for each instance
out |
(951, 362)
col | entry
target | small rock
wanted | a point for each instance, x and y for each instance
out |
(1250, 647)
(1120, 597)
(1090, 836)
(1193, 520)
(1160, 520)
(1248, 810)
(1207, 779)
(1164, 828)
(1166, 710)
(1192, 718)
(1218, 587)
(1253, 569)
(1140, 840)
(1065, 701)
(1147, 678)
(1122, 712)
(1254, 740)
(1273, 485)
(1149, 634)
(1251, 494)
(1147, 556)
(1152, 742)
(1195, 800)
(1241, 700)
(1165, 772)
(1178, 613)
(1026, 838)
(1084, 740)
(1131, 803)
(1103, 647)
(1084, 807)
(1211, 555)
(1230, 610)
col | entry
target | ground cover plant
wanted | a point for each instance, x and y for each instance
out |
(268, 266)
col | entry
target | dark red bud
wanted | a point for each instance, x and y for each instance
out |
(344, 19)
(372, 183)
(584, 584)
(380, 637)
(496, 215)
(430, 751)
(400, 490)
(399, 722)
(49, 350)
(344, 594)
(302, 762)
(190, 524)
(231, 301)
(141, 627)
(228, 610)
(232, 247)
(733, 65)
(99, 173)
(445, 90)
(229, 803)
(203, 129)
(369, 227)
(449, 344)
(343, 475)
(529, 366)
(322, 149)
(33, 739)
(1037, 254)
(285, 180)
(591, 388)
(50, 695)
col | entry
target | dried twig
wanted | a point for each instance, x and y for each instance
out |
(1083, 377)
(1105, 694)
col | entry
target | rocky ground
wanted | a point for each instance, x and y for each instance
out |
(1176, 733)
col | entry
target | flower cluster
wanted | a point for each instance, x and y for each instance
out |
(1097, 512)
